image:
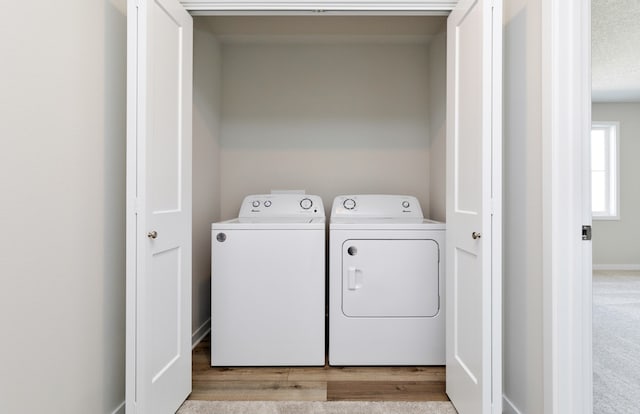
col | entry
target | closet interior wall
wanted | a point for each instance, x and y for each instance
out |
(329, 104)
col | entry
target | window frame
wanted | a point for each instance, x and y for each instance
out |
(612, 168)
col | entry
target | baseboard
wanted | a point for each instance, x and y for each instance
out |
(120, 409)
(198, 335)
(508, 407)
(616, 267)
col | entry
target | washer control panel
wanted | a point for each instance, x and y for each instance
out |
(281, 205)
(376, 206)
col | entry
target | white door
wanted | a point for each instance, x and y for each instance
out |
(473, 306)
(376, 272)
(159, 206)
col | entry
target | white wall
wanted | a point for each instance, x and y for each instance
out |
(62, 181)
(522, 192)
(206, 167)
(616, 242)
(331, 118)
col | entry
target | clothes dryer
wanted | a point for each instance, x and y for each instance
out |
(268, 283)
(386, 283)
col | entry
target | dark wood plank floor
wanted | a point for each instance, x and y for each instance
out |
(314, 383)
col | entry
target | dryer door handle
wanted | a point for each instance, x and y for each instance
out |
(354, 278)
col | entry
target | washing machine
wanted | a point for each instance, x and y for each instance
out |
(386, 282)
(268, 283)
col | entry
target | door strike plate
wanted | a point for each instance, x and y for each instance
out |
(586, 232)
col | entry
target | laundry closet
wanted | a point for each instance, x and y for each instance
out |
(328, 104)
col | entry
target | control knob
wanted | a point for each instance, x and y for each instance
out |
(267, 203)
(306, 203)
(349, 203)
(256, 203)
(405, 204)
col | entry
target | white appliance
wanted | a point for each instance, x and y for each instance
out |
(268, 283)
(386, 283)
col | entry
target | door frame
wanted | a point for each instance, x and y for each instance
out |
(131, 220)
(208, 7)
(567, 273)
(408, 7)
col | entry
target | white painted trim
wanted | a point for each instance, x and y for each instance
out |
(131, 361)
(566, 122)
(616, 267)
(509, 407)
(583, 338)
(549, 380)
(497, 217)
(318, 6)
(199, 334)
(313, 13)
(120, 409)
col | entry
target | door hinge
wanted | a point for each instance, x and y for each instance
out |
(586, 232)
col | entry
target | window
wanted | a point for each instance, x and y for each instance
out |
(604, 171)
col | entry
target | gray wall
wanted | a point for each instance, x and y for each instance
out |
(206, 167)
(437, 125)
(328, 117)
(522, 192)
(62, 180)
(615, 242)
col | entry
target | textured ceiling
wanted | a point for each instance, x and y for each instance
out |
(615, 43)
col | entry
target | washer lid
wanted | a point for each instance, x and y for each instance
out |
(271, 223)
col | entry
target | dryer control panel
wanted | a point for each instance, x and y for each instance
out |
(281, 205)
(376, 206)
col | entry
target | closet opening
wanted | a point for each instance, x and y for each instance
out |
(329, 104)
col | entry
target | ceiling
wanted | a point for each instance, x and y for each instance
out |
(615, 50)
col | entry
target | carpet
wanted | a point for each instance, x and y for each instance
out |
(315, 407)
(616, 342)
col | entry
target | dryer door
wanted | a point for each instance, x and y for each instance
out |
(390, 278)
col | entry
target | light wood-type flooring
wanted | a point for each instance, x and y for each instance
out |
(314, 383)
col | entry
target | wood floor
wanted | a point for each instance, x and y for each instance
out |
(314, 383)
